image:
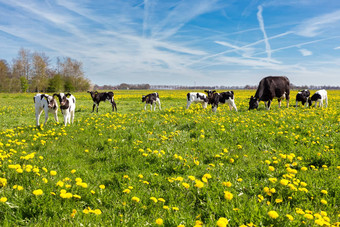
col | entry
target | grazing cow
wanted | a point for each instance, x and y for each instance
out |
(152, 99)
(271, 87)
(318, 97)
(48, 104)
(215, 98)
(67, 106)
(103, 96)
(302, 96)
(197, 98)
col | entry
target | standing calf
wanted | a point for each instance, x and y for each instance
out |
(302, 96)
(197, 98)
(319, 97)
(152, 99)
(67, 106)
(48, 104)
(103, 96)
(224, 97)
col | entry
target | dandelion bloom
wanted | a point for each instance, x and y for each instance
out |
(271, 168)
(324, 192)
(199, 184)
(273, 214)
(102, 186)
(323, 201)
(228, 195)
(308, 216)
(278, 200)
(284, 182)
(175, 208)
(186, 185)
(222, 222)
(136, 199)
(154, 199)
(38, 192)
(159, 221)
(228, 184)
(3, 199)
(53, 173)
(97, 212)
(290, 217)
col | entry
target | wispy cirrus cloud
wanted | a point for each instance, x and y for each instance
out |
(261, 23)
(319, 24)
(305, 52)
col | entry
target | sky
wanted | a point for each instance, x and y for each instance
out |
(181, 42)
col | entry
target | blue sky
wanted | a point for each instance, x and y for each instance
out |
(188, 42)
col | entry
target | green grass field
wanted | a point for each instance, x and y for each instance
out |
(173, 167)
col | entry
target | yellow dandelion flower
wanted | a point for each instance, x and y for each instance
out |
(228, 195)
(222, 222)
(159, 221)
(154, 199)
(53, 173)
(186, 185)
(273, 214)
(135, 199)
(308, 216)
(3, 199)
(323, 201)
(38, 192)
(290, 217)
(102, 186)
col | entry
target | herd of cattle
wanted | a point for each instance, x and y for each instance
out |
(269, 88)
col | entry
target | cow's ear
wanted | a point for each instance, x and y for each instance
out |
(43, 96)
(213, 91)
(68, 94)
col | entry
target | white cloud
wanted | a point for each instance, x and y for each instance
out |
(314, 26)
(337, 48)
(261, 23)
(305, 52)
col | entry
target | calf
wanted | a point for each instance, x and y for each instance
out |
(269, 88)
(152, 99)
(197, 98)
(67, 106)
(215, 98)
(302, 96)
(103, 96)
(319, 97)
(48, 104)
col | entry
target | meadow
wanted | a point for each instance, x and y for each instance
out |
(173, 167)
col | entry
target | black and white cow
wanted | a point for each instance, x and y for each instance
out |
(302, 96)
(152, 99)
(102, 96)
(215, 98)
(67, 106)
(318, 97)
(196, 97)
(48, 104)
(269, 88)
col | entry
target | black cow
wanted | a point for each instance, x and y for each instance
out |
(215, 98)
(103, 96)
(302, 96)
(269, 88)
(151, 99)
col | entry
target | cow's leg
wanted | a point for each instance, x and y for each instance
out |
(37, 116)
(214, 108)
(269, 102)
(204, 105)
(65, 118)
(94, 105)
(145, 106)
(56, 116)
(279, 100)
(46, 116)
(321, 103)
(72, 116)
(151, 106)
(188, 104)
(296, 104)
(326, 100)
(159, 104)
(234, 105)
(97, 107)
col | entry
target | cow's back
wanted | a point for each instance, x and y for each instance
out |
(271, 87)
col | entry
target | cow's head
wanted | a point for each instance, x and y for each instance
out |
(92, 93)
(62, 98)
(52, 104)
(253, 103)
(209, 92)
(143, 98)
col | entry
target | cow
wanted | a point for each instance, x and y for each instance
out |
(269, 88)
(215, 98)
(196, 97)
(302, 96)
(45, 102)
(319, 97)
(152, 99)
(67, 106)
(102, 96)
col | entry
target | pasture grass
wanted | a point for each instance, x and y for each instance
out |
(170, 167)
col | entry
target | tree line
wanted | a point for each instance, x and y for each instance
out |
(32, 72)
